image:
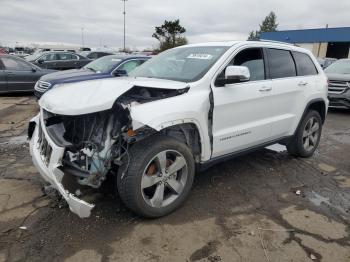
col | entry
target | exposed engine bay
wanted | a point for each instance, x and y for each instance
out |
(97, 143)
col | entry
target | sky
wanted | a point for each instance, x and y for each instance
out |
(216, 20)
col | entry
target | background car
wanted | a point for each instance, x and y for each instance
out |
(94, 54)
(104, 67)
(59, 60)
(326, 62)
(338, 75)
(16, 74)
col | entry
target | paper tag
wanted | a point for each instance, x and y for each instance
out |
(200, 56)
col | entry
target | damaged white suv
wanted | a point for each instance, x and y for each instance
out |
(179, 112)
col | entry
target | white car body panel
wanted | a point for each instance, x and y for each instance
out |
(96, 95)
(245, 115)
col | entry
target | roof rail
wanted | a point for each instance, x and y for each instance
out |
(277, 42)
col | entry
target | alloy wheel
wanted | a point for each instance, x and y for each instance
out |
(311, 134)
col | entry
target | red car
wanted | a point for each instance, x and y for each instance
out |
(2, 51)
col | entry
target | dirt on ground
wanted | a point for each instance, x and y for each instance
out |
(265, 206)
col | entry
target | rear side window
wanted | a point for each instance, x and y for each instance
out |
(305, 66)
(281, 63)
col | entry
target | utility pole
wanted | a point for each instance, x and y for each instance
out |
(124, 13)
(82, 36)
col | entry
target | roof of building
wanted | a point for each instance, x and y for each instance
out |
(317, 35)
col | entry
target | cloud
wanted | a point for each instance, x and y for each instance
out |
(61, 21)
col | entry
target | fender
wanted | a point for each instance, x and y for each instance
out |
(172, 111)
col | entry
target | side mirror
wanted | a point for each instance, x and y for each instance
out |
(120, 72)
(40, 61)
(33, 69)
(236, 74)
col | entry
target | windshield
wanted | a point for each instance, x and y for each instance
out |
(84, 53)
(339, 67)
(33, 56)
(185, 64)
(104, 64)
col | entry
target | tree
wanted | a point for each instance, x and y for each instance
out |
(268, 25)
(169, 34)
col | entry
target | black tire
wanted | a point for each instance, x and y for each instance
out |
(140, 155)
(296, 146)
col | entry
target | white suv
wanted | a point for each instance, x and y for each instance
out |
(181, 111)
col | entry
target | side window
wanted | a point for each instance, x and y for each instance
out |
(281, 63)
(305, 66)
(14, 64)
(130, 65)
(67, 57)
(48, 57)
(93, 56)
(253, 59)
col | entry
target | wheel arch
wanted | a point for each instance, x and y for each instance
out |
(318, 105)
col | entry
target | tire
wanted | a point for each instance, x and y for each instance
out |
(298, 144)
(139, 186)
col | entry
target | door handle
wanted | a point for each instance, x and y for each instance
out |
(303, 83)
(10, 73)
(265, 89)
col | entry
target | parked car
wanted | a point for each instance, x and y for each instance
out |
(104, 67)
(180, 112)
(94, 54)
(326, 62)
(59, 60)
(3, 51)
(339, 84)
(16, 74)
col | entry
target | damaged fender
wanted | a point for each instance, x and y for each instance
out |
(172, 111)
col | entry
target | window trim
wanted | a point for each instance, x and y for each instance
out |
(291, 54)
(234, 54)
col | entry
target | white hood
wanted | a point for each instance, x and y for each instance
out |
(96, 95)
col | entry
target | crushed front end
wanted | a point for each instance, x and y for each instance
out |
(75, 153)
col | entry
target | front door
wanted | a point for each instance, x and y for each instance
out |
(242, 111)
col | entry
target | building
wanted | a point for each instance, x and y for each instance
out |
(323, 42)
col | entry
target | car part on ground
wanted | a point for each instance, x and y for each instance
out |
(190, 106)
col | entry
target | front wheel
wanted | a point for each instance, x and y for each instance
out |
(307, 136)
(159, 176)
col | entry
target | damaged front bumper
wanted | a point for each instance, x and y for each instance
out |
(47, 157)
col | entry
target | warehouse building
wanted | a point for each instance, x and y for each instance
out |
(323, 42)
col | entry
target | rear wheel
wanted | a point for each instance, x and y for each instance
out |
(307, 137)
(159, 176)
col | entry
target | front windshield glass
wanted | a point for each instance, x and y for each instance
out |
(33, 56)
(104, 64)
(185, 64)
(339, 67)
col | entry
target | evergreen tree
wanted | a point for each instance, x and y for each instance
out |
(268, 25)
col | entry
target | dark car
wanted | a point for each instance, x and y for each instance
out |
(94, 54)
(16, 74)
(104, 67)
(59, 60)
(339, 83)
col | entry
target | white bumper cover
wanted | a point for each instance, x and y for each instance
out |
(48, 167)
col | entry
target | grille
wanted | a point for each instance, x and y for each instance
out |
(338, 87)
(44, 148)
(42, 86)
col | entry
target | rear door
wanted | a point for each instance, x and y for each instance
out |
(20, 74)
(242, 111)
(288, 91)
(67, 61)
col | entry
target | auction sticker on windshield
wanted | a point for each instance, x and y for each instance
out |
(200, 56)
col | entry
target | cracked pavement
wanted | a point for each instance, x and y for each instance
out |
(265, 206)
